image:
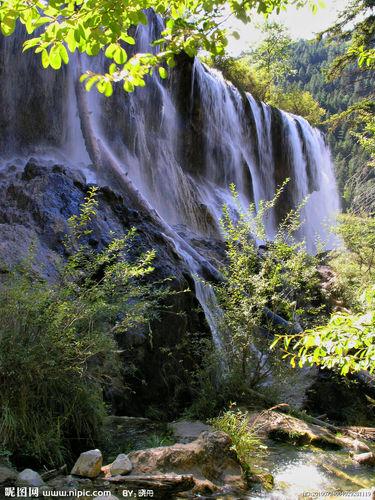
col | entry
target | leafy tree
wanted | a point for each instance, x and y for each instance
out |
(271, 58)
(356, 24)
(57, 346)
(298, 102)
(282, 279)
(354, 266)
(347, 342)
(62, 27)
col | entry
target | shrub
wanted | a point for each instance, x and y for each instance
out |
(57, 347)
(239, 72)
(354, 263)
(298, 102)
(245, 441)
(345, 344)
(282, 279)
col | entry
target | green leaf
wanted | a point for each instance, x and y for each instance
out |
(110, 50)
(163, 72)
(171, 62)
(45, 58)
(128, 86)
(120, 56)
(89, 84)
(83, 77)
(64, 54)
(28, 44)
(71, 41)
(112, 68)
(128, 39)
(54, 57)
(108, 90)
(8, 24)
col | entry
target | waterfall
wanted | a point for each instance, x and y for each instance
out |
(176, 145)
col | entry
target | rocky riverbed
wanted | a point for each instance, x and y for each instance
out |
(300, 456)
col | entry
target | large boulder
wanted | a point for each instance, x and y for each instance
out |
(365, 458)
(208, 458)
(89, 464)
(35, 203)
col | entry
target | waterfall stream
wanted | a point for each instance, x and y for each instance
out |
(175, 152)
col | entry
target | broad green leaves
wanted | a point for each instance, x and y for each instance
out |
(345, 344)
(60, 27)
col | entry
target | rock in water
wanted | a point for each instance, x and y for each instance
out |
(121, 466)
(89, 464)
(365, 458)
(29, 477)
(187, 431)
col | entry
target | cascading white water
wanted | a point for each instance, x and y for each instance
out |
(179, 156)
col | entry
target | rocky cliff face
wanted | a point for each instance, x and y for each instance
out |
(35, 203)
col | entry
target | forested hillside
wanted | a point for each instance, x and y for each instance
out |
(310, 60)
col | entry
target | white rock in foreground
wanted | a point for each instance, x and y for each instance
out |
(29, 477)
(88, 464)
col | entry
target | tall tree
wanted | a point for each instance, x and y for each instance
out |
(356, 25)
(271, 58)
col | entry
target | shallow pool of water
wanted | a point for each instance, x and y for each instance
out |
(311, 473)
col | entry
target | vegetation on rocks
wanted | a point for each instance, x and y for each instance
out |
(245, 441)
(57, 342)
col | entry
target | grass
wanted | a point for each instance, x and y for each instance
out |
(245, 441)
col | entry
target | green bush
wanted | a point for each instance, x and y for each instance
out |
(283, 279)
(239, 72)
(245, 441)
(57, 347)
(298, 102)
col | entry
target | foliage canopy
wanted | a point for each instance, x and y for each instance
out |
(62, 27)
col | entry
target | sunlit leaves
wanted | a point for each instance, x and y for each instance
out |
(60, 27)
(346, 344)
(163, 72)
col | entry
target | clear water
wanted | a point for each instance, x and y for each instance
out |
(298, 471)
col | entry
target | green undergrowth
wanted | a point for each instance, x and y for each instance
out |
(57, 343)
(246, 443)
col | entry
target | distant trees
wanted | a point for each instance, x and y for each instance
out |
(271, 58)
(267, 70)
(340, 96)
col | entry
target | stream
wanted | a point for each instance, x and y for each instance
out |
(301, 470)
